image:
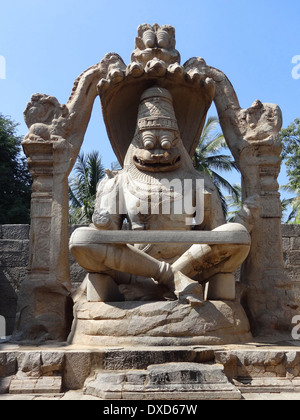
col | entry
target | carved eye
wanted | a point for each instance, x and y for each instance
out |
(166, 141)
(166, 144)
(148, 140)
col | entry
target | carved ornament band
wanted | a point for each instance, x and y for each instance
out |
(157, 122)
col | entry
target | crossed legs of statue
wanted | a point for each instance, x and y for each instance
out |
(203, 261)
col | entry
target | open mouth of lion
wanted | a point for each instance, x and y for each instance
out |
(157, 165)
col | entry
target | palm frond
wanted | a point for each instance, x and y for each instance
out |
(222, 163)
(73, 199)
(207, 158)
(214, 145)
(211, 124)
(83, 187)
(221, 182)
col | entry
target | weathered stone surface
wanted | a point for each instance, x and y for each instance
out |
(29, 364)
(166, 381)
(140, 358)
(52, 362)
(267, 385)
(77, 368)
(11, 278)
(52, 145)
(8, 364)
(15, 232)
(184, 374)
(259, 363)
(14, 253)
(160, 323)
(4, 384)
(154, 373)
(43, 385)
(56, 132)
(290, 236)
(14, 245)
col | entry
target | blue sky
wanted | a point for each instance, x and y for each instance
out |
(47, 44)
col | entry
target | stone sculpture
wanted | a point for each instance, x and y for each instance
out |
(156, 154)
(154, 110)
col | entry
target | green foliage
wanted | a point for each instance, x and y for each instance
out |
(83, 187)
(208, 159)
(234, 203)
(290, 138)
(291, 205)
(15, 179)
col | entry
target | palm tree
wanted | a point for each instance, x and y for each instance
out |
(207, 158)
(294, 202)
(83, 187)
(234, 203)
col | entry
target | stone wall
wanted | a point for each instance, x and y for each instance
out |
(14, 254)
(14, 246)
(291, 255)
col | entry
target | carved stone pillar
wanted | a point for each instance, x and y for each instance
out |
(265, 282)
(252, 135)
(42, 307)
(55, 136)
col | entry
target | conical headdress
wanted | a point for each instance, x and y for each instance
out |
(156, 110)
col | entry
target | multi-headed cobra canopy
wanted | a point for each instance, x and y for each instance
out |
(154, 62)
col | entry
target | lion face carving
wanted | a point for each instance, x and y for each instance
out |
(44, 117)
(157, 141)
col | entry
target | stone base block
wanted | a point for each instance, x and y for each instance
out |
(267, 385)
(178, 381)
(42, 385)
(144, 372)
(160, 323)
(4, 384)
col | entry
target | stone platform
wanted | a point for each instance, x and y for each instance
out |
(146, 373)
(159, 323)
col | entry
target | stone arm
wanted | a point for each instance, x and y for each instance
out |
(252, 135)
(249, 212)
(80, 104)
(85, 90)
(259, 123)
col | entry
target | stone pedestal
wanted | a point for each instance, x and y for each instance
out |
(169, 381)
(141, 372)
(167, 323)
